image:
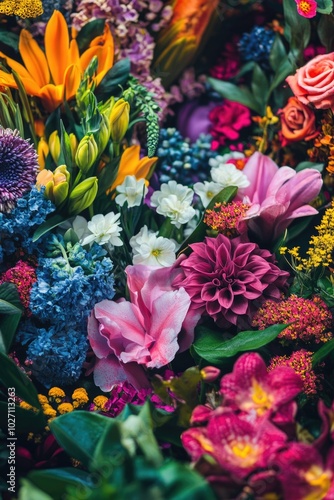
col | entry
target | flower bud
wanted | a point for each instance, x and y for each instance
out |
(63, 170)
(87, 153)
(83, 195)
(74, 145)
(54, 145)
(42, 152)
(119, 120)
(102, 136)
(210, 373)
(56, 184)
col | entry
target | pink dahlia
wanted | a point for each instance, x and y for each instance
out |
(229, 279)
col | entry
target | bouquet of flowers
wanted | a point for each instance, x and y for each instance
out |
(166, 249)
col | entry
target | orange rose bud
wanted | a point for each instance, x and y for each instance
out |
(297, 122)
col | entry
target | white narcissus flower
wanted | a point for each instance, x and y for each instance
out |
(182, 193)
(229, 175)
(132, 191)
(152, 250)
(179, 212)
(104, 229)
(206, 191)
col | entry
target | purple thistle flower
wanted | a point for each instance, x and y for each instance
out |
(18, 168)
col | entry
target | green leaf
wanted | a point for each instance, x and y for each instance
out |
(210, 346)
(309, 164)
(237, 94)
(297, 29)
(323, 352)
(107, 176)
(113, 79)
(325, 30)
(65, 157)
(277, 53)
(8, 326)
(284, 69)
(56, 481)
(183, 483)
(10, 302)
(49, 224)
(12, 376)
(79, 432)
(324, 6)
(25, 420)
(224, 196)
(260, 88)
(10, 39)
(29, 491)
(88, 32)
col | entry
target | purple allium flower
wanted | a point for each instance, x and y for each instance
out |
(18, 168)
(228, 279)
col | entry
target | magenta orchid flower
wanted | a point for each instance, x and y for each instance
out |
(238, 446)
(127, 336)
(277, 195)
(251, 389)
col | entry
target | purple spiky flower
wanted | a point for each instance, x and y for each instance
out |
(18, 167)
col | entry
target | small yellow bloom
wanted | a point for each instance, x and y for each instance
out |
(21, 8)
(65, 408)
(100, 402)
(26, 406)
(79, 397)
(49, 411)
(43, 399)
(57, 394)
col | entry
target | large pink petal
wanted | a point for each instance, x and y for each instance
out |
(260, 170)
(98, 343)
(303, 188)
(282, 175)
(109, 371)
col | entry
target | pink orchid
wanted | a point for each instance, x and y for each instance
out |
(250, 388)
(126, 336)
(277, 195)
(238, 446)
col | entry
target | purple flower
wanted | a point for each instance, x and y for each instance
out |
(228, 279)
(19, 167)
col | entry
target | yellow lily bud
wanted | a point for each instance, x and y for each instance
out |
(119, 120)
(54, 145)
(42, 151)
(56, 184)
(83, 195)
(102, 137)
(87, 153)
(74, 145)
(62, 169)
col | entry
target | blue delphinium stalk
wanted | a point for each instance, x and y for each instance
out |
(182, 161)
(256, 45)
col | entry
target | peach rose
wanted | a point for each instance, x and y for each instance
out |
(297, 122)
(314, 82)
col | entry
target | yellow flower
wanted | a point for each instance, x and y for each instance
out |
(54, 76)
(56, 394)
(65, 408)
(79, 397)
(131, 164)
(99, 402)
(49, 411)
(21, 8)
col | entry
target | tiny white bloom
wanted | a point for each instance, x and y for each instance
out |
(179, 212)
(229, 175)
(206, 191)
(132, 191)
(182, 193)
(104, 229)
(152, 250)
(221, 160)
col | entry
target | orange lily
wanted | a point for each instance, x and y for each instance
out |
(131, 164)
(54, 76)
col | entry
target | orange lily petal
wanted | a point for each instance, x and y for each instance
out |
(74, 55)
(144, 166)
(34, 58)
(57, 43)
(7, 80)
(72, 80)
(17, 67)
(130, 164)
(52, 96)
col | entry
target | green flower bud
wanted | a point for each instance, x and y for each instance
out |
(119, 120)
(83, 195)
(102, 136)
(60, 193)
(87, 153)
(54, 145)
(74, 145)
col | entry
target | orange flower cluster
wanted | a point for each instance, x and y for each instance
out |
(225, 218)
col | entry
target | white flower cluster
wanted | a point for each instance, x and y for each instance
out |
(152, 250)
(223, 174)
(174, 201)
(132, 191)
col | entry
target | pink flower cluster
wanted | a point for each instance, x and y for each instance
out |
(250, 442)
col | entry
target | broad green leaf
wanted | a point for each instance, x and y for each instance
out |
(10, 302)
(259, 87)
(79, 432)
(183, 483)
(55, 482)
(10, 39)
(28, 492)
(297, 29)
(25, 420)
(277, 53)
(224, 196)
(285, 69)
(8, 326)
(65, 157)
(210, 346)
(113, 79)
(12, 376)
(325, 30)
(297, 228)
(49, 224)
(324, 6)
(88, 32)
(107, 176)
(323, 352)
(309, 164)
(237, 94)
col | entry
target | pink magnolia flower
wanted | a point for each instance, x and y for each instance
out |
(305, 474)
(126, 336)
(277, 195)
(252, 389)
(228, 279)
(238, 446)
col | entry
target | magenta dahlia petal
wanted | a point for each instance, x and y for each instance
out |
(19, 168)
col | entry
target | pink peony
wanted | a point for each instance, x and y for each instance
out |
(277, 195)
(228, 279)
(227, 120)
(250, 388)
(238, 446)
(126, 336)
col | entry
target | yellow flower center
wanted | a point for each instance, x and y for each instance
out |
(320, 480)
(244, 453)
(305, 6)
(261, 399)
(156, 252)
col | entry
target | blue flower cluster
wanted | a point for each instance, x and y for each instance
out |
(182, 161)
(17, 227)
(70, 281)
(256, 45)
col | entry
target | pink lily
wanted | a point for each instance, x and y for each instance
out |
(277, 195)
(126, 336)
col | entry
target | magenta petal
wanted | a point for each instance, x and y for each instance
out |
(260, 170)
